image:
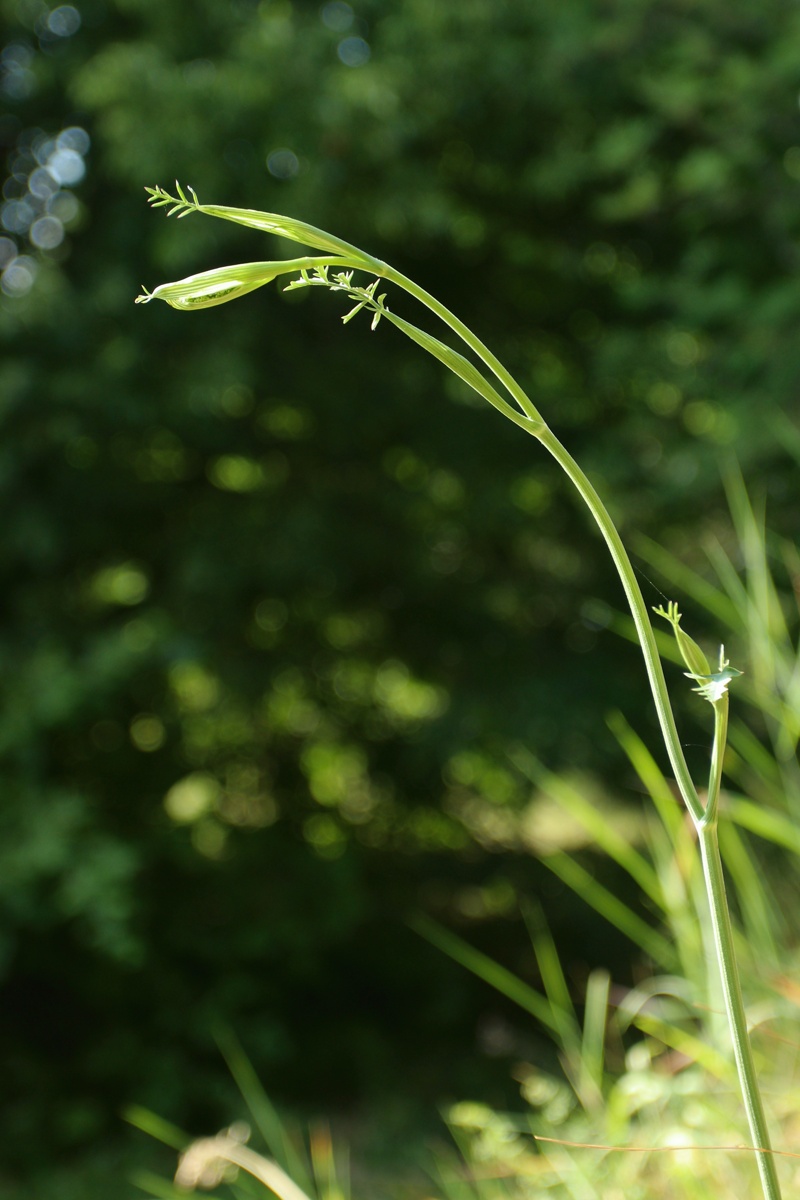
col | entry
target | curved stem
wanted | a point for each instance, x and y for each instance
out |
(641, 617)
(704, 817)
(465, 333)
(200, 1163)
(636, 602)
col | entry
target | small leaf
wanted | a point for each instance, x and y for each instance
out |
(297, 231)
(455, 362)
(349, 316)
(715, 685)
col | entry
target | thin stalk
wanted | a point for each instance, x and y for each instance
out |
(703, 816)
(717, 755)
(734, 1006)
(726, 958)
(638, 607)
(641, 617)
(465, 333)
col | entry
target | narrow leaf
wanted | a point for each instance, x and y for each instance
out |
(296, 231)
(156, 1127)
(459, 366)
(265, 1117)
(488, 970)
(615, 911)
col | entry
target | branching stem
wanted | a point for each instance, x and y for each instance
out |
(703, 816)
(525, 414)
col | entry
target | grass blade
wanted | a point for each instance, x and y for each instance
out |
(266, 1119)
(488, 970)
(658, 948)
(595, 822)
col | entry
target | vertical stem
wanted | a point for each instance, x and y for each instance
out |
(704, 816)
(717, 755)
(734, 1006)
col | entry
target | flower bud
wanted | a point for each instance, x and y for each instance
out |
(691, 653)
(214, 287)
(222, 284)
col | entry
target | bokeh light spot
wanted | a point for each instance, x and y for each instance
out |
(235, 473)
(18, 277)
(47, 233)
(64, 206)
(700, 418)
(195, 688)
(64, 21)
(17, 80)
(17, 215)
(664, 398)
(353, 52)
(791, 162)
(337, 16)
(271, 615)
(209, 838)
(683, 348)
(74, 138)
(147, 732)
(325, 835)
(286, 421)
(600, 259)
(124, 584)
(283, 164)
(192, 797)
(66, 166)
(42, 184)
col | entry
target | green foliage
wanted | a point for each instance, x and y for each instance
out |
(272, 628)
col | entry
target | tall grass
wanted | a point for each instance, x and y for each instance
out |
(658, 1055)
(643, 1104)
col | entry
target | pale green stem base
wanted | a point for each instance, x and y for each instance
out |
(705, 818)
(734, 1006)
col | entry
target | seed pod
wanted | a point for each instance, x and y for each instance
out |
(691, 653)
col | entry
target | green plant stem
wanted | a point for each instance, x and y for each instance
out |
(703, 816)
(465, 333)
(633, 592)
(726, 958)
(641, 617)
(717, 756)
(734, 1006)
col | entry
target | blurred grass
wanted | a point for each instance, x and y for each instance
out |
(645, 1103)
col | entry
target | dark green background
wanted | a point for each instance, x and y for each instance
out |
(299, 562)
